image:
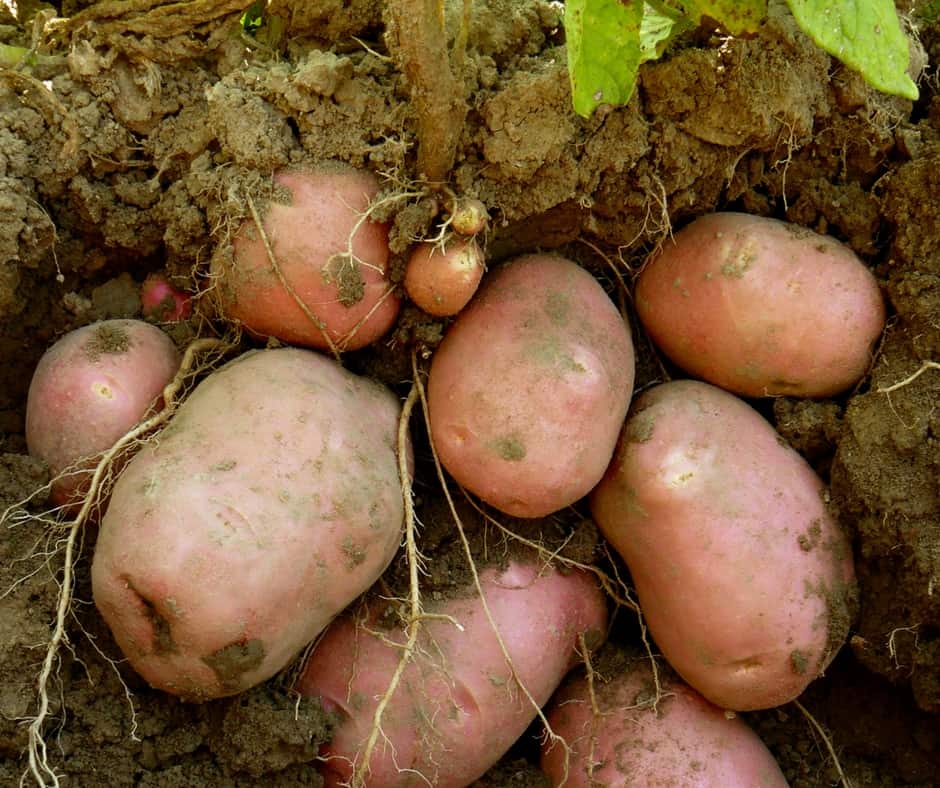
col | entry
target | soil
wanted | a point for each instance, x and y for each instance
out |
(120, 151)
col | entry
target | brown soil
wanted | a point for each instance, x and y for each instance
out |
(123, 162)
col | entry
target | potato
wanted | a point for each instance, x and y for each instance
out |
(163, 302)
(270, 502)
(746, 582)
(529, 388)
(346, 297)
(469, 216)
(89, 389)
(683, 741)
(761, 307)
(458, 708)
(442, 281)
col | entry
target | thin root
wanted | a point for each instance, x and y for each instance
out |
(272, 259)
(39, 765)
(910, 378)
(826, 740)
(550, 734)
(614, 587)
(595, 709)
(361, 771)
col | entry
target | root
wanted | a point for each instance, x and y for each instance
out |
(128, 695)
(404, 192)
(39, 766)
(892, 645)
(321, 326)
(827, 740)
(910, 378)
(595, 710)
(550, 734)
(355, 329)
(659, 228)
(345, 258)
(787, 160)
(361, 771)
(628, 315)
(614, 587)
(442, 237)
(418, 41)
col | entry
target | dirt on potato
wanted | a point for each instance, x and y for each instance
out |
(126, 147)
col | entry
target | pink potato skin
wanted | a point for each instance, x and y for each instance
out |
(270, 502)
(685, 742)
(306, 235)
(89, 389)
(529, 388)
(442, 282)
(452, 727)
(746, 582)
(760, 307)
(163, 302)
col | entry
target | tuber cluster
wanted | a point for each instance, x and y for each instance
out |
(280, 490)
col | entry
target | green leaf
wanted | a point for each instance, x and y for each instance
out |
(604, 53)
(656, 31)
(11, 56)
(252, 19)
(737, 16)
(865, 35)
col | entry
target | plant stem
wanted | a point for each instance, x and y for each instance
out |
(417, 41)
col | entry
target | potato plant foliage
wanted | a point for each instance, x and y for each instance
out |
(608, 39)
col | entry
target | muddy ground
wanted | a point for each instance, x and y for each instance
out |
(118, 150)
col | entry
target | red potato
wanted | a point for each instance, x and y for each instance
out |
(442, 281)
(163, 302)
(89, 389)
(529, 388)
(458, 708)
(347, 298)
(746, 582)
(270, 502)
(684, 741)
(761, 307)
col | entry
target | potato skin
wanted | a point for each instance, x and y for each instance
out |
(89, 389)
(163, 302)
(760, 307)
(530, 386)
(442, 281)
(308, 235)
(684, 742)
(451, 727)
(270, 502)
(746, 582)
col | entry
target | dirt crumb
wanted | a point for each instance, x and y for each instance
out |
(108, 338)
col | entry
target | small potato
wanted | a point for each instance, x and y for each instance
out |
(348, 298)
(458, 707)
(442, 281)
(268, 504)
(746, 582)
(469, 216)
(529, 388)
(684, 741)
(89, 389)
(760, 307)
(163, 302)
